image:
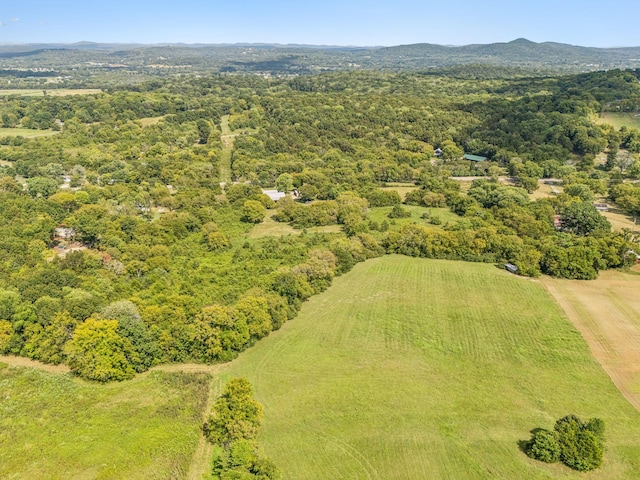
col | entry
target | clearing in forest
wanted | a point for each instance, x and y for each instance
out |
(271, 228)
(25, 132)
(57, 92)
(416, 369)
(621, 119)
(607, 313)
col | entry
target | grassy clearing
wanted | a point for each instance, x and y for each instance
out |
(39, 92)
(401, 188)
(25, 132)
(417, 369)
(270, 228)
(380, 214)
(54, 426)
(619, 119)
(145, 122)
(607, 313)
(545, 190)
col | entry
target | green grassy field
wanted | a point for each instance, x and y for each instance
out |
(25, 132)
(53, 426)
(380, 214)
(418, 369)
(620, 119)
(269, 228)
(57, 92)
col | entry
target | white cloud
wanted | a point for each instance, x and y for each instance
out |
(2, 24)
(15, 19)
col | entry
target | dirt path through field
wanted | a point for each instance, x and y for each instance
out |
(606, 311)
(27, 362)
(227, 138)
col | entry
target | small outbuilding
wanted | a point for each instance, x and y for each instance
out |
(474, 158)
(511, 267)
(274, 195)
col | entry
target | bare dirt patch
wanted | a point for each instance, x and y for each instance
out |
(606, 311)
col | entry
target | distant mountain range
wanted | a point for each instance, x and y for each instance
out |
(304, 59)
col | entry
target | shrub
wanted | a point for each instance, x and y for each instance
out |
(399, 212)
(544, 446)
(583, 452)
(574, 443)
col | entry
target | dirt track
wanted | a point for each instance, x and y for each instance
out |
(26, 362)
(606, 311)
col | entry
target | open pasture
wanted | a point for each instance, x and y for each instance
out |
(380, 214)
(607, 313)
(270, 228)
(25, 132)
(417, 369)
(55, 426)
(620, 119)
(54, 92)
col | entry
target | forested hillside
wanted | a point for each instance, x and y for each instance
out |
(123, 246)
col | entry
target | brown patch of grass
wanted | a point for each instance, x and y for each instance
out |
(606, 311)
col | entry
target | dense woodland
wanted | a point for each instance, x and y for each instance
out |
(160, 267)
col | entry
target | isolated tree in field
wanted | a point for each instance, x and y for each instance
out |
(544, 446)
(576, 444)
(235, 414)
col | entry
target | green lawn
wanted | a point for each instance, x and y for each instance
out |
(270, 228)
(25, 132)
(423, 369)
(380, 214)
(620, 119)
(53, 426)
(39, 92)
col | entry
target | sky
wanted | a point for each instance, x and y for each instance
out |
(610, 23)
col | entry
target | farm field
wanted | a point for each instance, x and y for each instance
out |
(401, 188)
(57, 92)
(415, 369)
(269, 228)
(620, 119)
(25, 132)
(380, 214)
(607, 313)
(55, 426)
(619, 220)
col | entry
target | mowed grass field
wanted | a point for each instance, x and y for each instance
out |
(620, 119)
(423, 369)
(25, 132)
(269, 228)
(607, 313)
(55, 92)
(53, 426)
(380, 214)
